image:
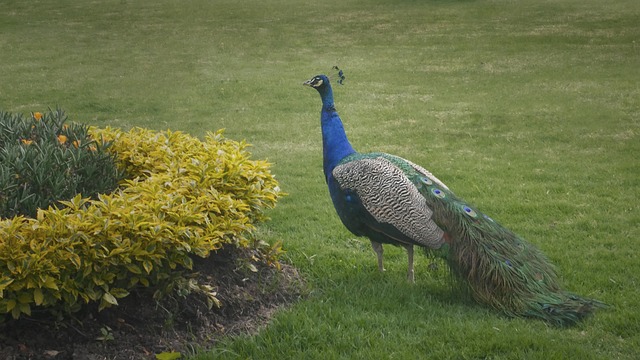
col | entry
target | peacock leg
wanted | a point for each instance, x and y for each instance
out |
(410, 274)
(377, 248)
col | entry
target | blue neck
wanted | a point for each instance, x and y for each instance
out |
(335, 145)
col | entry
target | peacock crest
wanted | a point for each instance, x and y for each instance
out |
(338, 75)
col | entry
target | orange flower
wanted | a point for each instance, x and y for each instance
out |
(37, 115)
(92, 148)
(27, 141)
(62, 139)
(65, 126)
(76, 143)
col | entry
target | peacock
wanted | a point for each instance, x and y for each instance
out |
(391, 200)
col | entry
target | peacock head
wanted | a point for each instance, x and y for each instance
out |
(321, 82)
(318, 82)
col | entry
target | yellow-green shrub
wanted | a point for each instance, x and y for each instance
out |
(183, 197)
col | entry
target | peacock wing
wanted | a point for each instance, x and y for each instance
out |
(408, 168)
(392, 203)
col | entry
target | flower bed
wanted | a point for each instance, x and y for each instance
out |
(182, 197)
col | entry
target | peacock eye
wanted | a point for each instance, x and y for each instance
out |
(438, 193)
(426, 180)
(469, 211)
(317, 82)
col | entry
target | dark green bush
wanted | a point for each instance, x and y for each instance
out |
(44, 159)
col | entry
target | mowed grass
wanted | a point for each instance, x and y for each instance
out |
(528, 109)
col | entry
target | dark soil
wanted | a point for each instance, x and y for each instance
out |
(141, 327)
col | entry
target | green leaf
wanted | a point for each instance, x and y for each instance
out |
(4, 283)
(168, 356)
(15, 312)
(75, 260)
(119, 292)
(11, 304)
(148, 266)
(92, 293)
(25, 308)
(50, 283)
(109, 298)
(24, 298)
(134, 269)
(38, 297)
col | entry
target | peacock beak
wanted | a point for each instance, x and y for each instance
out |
(308, 82)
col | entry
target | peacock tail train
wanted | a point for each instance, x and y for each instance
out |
(500, 268)
(394, 201)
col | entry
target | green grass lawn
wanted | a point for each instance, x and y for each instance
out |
(528, 109)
